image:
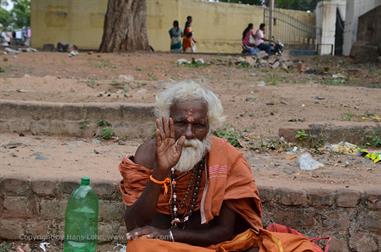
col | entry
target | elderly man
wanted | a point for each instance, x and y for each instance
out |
(187, 190)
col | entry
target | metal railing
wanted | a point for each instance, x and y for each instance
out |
(290, 30)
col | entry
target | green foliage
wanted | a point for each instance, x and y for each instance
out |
(231, 135)
(21, 13)
(284, 4)
(84, 124)
(16, 18)
(104, 63)
(297, 4)
(103, 123)
(5, 19)
(301, 135)
(243, 65)
(334, 81)
(107, 133)
(347, 116)
(373, 140)
(273, 79)
(5, 246)
(252, 2)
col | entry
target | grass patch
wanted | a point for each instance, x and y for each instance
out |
(104, 63)
(107, 133)
(5, 247)
(84, 124)
(310, 140)
(243, 64)
(232, 135)
(91, 83)
(334, 81)
(152, 76)
(374, 85)
(301, 135)
(103, 123)
(273, 79)
(347, 116)
(106, 129)
(271, 144)
(373, 140)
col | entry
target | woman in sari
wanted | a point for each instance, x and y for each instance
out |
(189, 43)
(175, 33)
(248, 40)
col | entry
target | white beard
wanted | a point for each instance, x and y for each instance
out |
(193, 151)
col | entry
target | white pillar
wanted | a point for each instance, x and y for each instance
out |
(355, 8)
(326, 45)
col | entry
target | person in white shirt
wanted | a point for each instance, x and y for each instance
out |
(260, 40)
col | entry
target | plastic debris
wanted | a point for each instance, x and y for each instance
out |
(182, 61)
(44, 246)
(344, 148)
(307, 163)
(375, 156)
(120, 247)
(200, 61)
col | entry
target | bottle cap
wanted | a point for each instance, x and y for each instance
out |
(85, 180)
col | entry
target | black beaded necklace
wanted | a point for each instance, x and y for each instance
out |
(194, 184)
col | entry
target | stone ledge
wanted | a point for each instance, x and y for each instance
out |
(75, 119)
(333, 132)
(315, 211)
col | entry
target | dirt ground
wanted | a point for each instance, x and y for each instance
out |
(258, 101)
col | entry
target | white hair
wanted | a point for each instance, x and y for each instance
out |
(190, 90)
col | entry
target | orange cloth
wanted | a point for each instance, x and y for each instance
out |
(229, 179)
(187, 43)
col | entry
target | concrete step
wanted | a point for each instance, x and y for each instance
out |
(76, 119)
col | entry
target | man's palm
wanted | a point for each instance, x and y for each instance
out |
(168, 150)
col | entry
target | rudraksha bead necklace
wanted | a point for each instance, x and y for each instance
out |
(194, 186)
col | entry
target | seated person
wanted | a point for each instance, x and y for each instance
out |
(248, 40)
(187, 190)
(260, 40)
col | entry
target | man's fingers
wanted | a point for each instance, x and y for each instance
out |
(171, 128)
(166, 127)
(159, 126)
(158, 138)
(180, 143)
(138, 232)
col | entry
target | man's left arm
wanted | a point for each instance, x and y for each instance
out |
(221, 230)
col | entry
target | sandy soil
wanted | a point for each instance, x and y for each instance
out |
(258, 101)
(37, 157)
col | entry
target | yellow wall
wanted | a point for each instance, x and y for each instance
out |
(217, 26)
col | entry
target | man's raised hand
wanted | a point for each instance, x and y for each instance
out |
(168, 149)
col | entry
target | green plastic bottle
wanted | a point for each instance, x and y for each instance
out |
(81, 219)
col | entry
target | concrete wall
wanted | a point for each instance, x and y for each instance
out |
(354, 9)
(370, 27)
(217, 26)
(34, 210)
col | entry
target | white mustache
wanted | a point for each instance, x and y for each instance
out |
(191, 143)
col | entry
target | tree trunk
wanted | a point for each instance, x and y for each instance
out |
(125, 27)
